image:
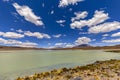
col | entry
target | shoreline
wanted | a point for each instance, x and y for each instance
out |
(115, 51)
(99, 70)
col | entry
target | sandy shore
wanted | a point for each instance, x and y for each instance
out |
(100, 70)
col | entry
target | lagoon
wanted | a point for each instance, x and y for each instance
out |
(27, 62)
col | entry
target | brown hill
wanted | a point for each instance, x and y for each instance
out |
(89, 47)
(19, 48)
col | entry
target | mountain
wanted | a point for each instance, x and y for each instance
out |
(88, 47)
(19, 48)
(82, 45)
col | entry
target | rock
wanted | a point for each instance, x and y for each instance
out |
(77, 78)
(118, 74)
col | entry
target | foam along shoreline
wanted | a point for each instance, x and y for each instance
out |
(100, 70)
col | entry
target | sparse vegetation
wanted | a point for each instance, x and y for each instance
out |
(100, 70)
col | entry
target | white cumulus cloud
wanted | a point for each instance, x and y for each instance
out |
(57, 36)
(99, 17)
(105, 27)
(64, 3)
(36, 34)
(83, 40)
(60, 21)
(11, 35)
(59, 45)
(20, 31)
(28, 14)
(105, 35)
(27, 44)
(115, 34)
(79, 15)
(17, 43)
(69, 45)
(112, 41)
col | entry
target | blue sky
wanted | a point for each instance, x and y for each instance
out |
(59, 23)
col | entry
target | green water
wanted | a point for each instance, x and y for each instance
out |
(17, 63)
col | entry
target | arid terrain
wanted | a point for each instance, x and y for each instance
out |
(100, 70)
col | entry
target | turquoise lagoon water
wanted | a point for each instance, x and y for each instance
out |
(27, 62)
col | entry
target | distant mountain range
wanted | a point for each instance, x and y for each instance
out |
(18, 48)
(88, 47)
(83, 47)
